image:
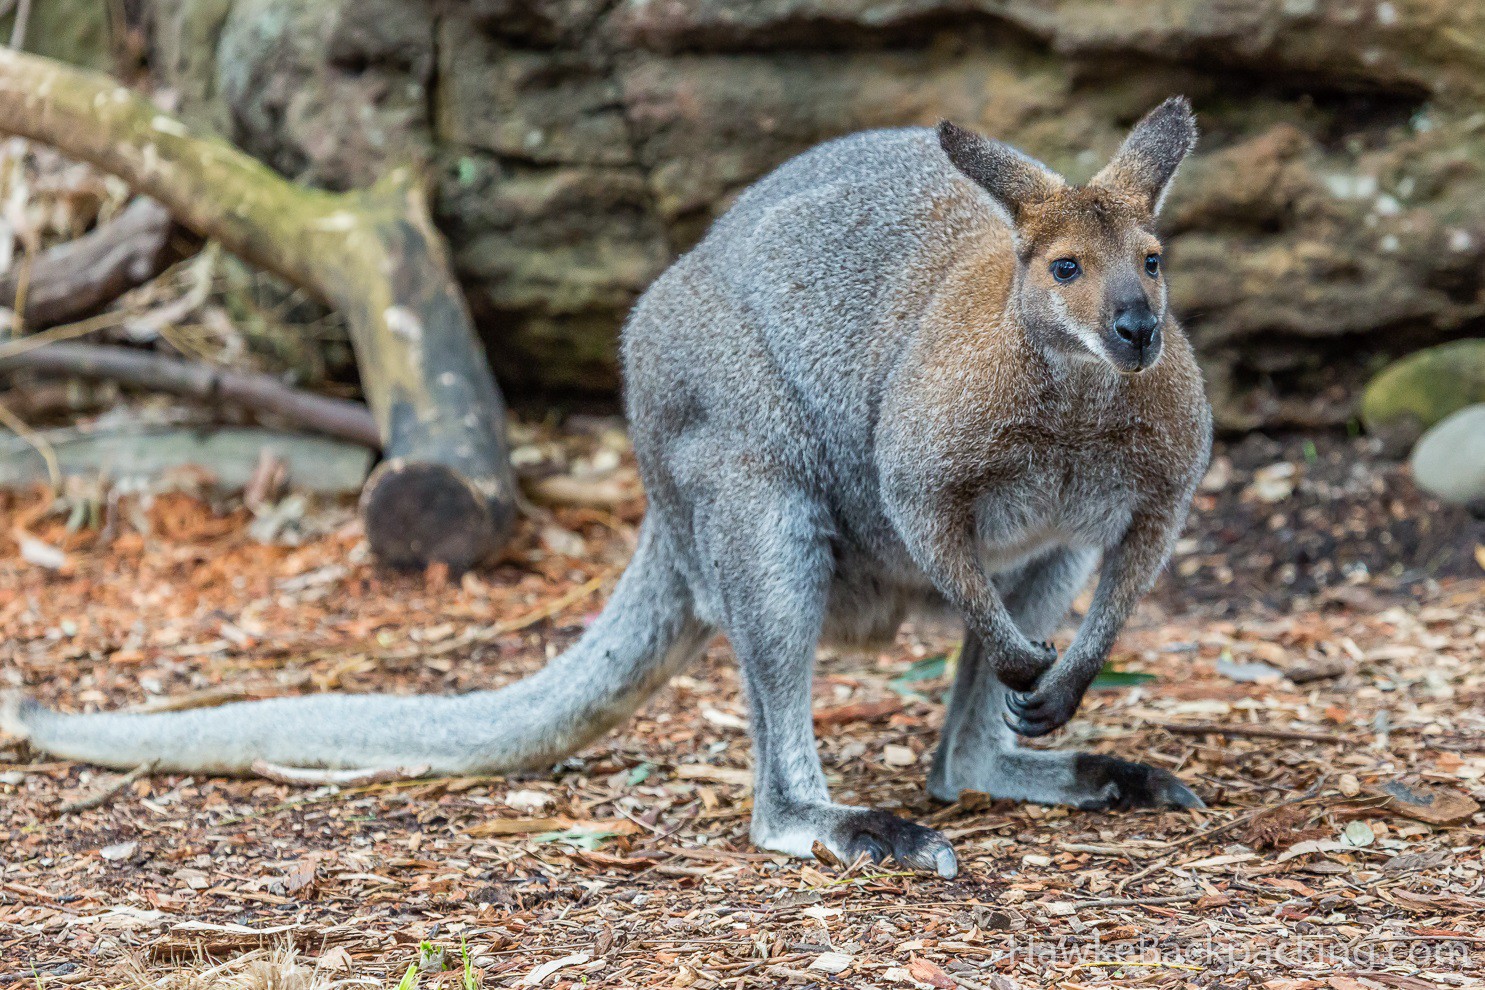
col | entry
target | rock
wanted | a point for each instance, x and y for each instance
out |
(1413, 394)
(1450, 459)
(580, 145)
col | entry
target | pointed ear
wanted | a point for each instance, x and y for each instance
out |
(1014, 180)
(1152, 152)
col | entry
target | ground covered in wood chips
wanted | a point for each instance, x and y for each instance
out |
(1313, 665)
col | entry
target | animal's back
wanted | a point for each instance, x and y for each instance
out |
(779, 330)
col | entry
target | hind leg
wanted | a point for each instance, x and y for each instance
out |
(978, 751)
(765, 569)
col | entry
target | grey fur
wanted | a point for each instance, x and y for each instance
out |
(796, 493)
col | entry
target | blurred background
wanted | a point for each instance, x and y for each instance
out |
(1331, 222)
(1332, 218)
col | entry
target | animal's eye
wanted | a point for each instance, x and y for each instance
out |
(1152, 265)
(1066, 269)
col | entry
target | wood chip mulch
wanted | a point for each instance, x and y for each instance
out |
(1318, 662)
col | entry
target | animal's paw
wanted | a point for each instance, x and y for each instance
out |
(848, 832)
(1020, 666)
(882, 836)
(1046, 709)
(1112, 784)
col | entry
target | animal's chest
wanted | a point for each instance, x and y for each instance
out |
(1078, 489)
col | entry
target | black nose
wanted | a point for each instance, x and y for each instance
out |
(1136, 325)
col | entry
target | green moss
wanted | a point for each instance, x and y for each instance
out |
(72, 31)
(1411, 395)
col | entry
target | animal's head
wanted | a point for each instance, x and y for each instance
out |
(1090, 279)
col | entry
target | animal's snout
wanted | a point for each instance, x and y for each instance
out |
(1136, 325)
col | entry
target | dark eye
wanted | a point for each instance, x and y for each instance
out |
(1066, 269)
(1152, 265)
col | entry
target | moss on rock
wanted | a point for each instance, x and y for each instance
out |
(1413, 394)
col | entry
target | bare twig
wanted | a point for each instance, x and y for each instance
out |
(22, 18)
(1252, 731)
(106, 793)
(1109, 902)
(39, 443)
(257, 392)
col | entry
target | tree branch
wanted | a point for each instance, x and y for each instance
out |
(255, 392)
(445, 491)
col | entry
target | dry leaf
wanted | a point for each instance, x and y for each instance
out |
(924, 971)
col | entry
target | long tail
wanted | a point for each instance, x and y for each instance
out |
(646, 633)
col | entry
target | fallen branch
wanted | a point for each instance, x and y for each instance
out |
(106, 793)
(311, 777)
(257, 393)
(81, 276)
(444, 491)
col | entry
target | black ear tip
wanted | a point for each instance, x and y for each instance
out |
(950, 134)
(1179, 108)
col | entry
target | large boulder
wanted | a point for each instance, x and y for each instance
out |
(1413, 394)
(1333, 216)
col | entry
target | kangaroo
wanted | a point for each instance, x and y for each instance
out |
(906, 370)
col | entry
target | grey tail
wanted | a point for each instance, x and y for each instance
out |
(645, 634)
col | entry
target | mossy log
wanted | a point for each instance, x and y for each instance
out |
(444, 491)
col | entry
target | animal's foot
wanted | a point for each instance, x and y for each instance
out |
(1020, 666)
(1108, 783)
(848, 832)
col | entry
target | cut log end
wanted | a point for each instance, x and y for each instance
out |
(422, 513)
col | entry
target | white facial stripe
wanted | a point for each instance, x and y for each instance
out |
(1089, 337)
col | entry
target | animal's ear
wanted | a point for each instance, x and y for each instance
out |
(1152, 152)
(1014, 180)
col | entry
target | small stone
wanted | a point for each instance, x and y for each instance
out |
(898, 756)
(1274, 483)
(118, 851)
(1450, 459)
(1349, 785)
(1036, 859)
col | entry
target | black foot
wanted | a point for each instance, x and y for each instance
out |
(882, 836)
(1113, 784)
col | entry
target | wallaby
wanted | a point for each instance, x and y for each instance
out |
(908, 369)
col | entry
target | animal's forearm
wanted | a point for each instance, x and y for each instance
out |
(1128, 571)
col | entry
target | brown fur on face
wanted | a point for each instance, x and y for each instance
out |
(1107, 232)
(1112, 308)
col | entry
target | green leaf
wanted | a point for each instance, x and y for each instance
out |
(409, 979)
(927, 669)
(639, 774)
(1110, 677)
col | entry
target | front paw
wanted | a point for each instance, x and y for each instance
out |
(1046, 709)
(1020, 666)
